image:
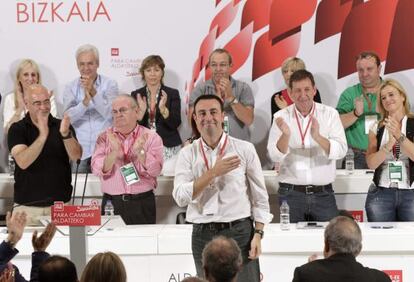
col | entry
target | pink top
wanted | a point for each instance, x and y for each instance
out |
(112, 181)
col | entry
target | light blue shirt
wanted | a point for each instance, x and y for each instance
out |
(96, 117)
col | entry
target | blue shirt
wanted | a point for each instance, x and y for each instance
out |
(96, 117)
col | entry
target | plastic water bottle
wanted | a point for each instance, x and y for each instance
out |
(226, 125)
(284, 216)
(109, 208)
(349, 161)
(12, 165)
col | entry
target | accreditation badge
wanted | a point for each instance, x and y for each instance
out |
(129, 173)
(395, 170)
(369, 122)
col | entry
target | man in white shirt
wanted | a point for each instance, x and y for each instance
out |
(307, 138)
(221, 181)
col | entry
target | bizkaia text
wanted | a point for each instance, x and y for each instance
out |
(49, 11)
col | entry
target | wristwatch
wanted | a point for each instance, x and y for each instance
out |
(401, 139)
(67, 136)
(235, 101)
(260, 232)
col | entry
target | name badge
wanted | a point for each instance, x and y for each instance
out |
(395, 170)
(129, 173)
(369, 122)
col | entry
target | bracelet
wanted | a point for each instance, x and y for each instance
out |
(67, 136)
(356, 114)
(260, 232)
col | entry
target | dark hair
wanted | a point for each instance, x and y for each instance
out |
(301, 75)
(220, 51)
(209, 97)
(57, 268)
(152, 60)
(222, 259)
(367, 55)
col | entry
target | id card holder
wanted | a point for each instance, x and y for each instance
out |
(129, 173)
(370, 120)
(395, 170)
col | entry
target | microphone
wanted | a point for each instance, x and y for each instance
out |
(44, 202)
(76, 180)
(88, 163)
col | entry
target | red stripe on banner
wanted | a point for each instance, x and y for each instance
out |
(257, 12)
(268, 57)
(330, 17)
(367, 28)
(206, 47)
(288, 15)
(239, 47)
(400, 54)
(224, 18)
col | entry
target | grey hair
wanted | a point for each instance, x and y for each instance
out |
(87, 48)
(131, 99)
(344, 236)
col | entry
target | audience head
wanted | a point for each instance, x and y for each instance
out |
(124, 113)
(302, 85)
(220, 63)
(104, 267)
(87, 59)
(37, 101)
(368, 65)
(152, 70)
(221, 260)
(27, 73)
(57, 268)
(208, 115)
(342, 235)
(392, 98)
(192, 279)
(290, 65)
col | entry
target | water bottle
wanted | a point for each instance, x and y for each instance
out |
(12, 165)
(349, 161)
(109, 208)
(226, 125)
(284, 216)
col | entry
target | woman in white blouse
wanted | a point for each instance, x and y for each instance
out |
(14, 109)
(391, 153)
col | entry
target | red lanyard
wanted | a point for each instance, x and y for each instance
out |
(134, 138)
(303, 134)
(220, 151)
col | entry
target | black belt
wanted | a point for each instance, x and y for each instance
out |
(221, 225)
(129, 197)
(308, 189)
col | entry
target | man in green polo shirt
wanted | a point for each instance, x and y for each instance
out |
(357, 106)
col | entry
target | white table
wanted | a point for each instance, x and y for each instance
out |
(350, 192)
(163, 252)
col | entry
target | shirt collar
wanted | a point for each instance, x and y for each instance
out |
(300, 115)
(219, 145)
(133, 133)
(28, 120)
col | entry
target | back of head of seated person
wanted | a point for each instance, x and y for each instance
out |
(57, 268)
(104, 267)
(222, 260)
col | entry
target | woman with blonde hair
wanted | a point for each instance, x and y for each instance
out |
(104, 267)
(282, 98)
(27, 73)
(391, 153)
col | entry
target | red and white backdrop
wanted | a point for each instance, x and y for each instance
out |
(260, 34)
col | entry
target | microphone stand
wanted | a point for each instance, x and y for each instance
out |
(86, 180)
(76, 180)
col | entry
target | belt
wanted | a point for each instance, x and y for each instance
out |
(358, 150)
(221, 225)
(307, 189)
(129, 197)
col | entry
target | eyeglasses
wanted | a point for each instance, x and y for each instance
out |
(122, 111)
(221, 65)
(40, 103)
